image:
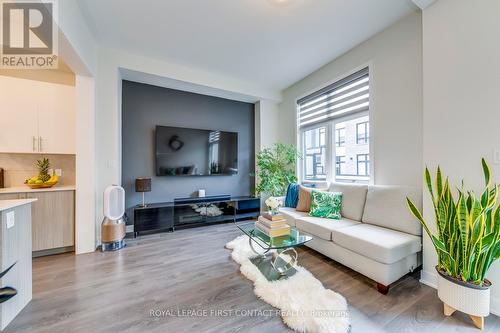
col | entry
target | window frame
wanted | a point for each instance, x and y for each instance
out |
(330, 165)
(366, 162)
(339, 143)
(330, 123)
(366, 137)
(338, 163)
(302, 167)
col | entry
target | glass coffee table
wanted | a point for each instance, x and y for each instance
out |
(276, 255)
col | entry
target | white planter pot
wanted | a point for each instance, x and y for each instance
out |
(468, 298)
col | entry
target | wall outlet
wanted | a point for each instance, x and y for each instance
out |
(10, 219)
(496, 156)
(59, 172)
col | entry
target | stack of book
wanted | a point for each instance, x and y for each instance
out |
(273, 225)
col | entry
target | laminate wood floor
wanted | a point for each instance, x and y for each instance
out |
(190, 271)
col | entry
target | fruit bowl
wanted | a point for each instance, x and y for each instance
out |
(42, 185)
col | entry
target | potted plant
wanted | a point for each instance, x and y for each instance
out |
(467, 243)
(276, 169)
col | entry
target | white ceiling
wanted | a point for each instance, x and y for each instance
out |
(269, 43)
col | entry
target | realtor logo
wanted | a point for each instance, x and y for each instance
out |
(29, 34)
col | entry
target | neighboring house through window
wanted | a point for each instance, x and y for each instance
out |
(362, 132)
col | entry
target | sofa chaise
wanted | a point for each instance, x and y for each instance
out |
(376, 236)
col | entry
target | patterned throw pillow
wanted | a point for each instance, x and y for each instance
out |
(326, 204)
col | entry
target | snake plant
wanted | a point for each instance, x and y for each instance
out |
(468, 228)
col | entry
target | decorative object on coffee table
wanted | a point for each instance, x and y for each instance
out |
(143, 185)
(276, 255)
(467, 243)
(299, 298)
(273, 205)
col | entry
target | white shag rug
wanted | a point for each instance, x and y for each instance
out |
(306, 306)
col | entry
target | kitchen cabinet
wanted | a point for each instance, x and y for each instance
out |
(38, 117)
(53, 219)
(18, 114)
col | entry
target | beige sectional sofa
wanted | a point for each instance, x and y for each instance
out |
(377, 236)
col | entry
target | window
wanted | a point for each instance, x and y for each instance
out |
(340, 165)
(340, 137)
(333, 124)
(315, 154)
(363, 161)
(362, 132)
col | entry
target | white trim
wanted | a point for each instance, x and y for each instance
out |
(423, 4)
(429, 279)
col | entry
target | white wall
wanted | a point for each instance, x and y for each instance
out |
(78, 48)
(461, 114)
(85, 165)
(395, 60)
(266, 124)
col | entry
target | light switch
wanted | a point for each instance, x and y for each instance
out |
(496, 156)
(59, 172)
(10, 217)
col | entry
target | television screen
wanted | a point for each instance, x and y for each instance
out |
(195, 152)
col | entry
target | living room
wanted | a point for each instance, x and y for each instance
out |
(271, 165)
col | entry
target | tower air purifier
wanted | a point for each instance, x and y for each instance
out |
(113, 225)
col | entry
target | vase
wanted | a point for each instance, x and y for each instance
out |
(465, 297)
(273, 211)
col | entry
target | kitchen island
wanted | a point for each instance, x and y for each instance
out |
(15, 240)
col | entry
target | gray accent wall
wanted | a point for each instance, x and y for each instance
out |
(145, 106)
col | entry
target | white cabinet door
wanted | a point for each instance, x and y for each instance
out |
(18, 115)
(56, 119)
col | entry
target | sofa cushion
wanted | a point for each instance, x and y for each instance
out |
(321, 227)
(353, 200)
(326, 204)
(386, 207)
(380, 244)
(305, 199)
(291, 214)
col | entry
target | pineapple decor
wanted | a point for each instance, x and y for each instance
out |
(43, 179)
(43, 169)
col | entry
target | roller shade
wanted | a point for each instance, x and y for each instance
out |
(349, 95)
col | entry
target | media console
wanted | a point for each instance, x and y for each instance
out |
(193, 212)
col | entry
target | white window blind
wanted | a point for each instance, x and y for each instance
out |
(349, 95)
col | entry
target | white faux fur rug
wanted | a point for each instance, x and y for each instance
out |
(306, 306)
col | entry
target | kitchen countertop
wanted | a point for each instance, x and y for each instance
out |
(8, 204)
(26, 189)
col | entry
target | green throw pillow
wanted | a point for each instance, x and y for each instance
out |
(326, 204)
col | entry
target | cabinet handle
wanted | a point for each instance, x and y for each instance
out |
(34, 144)
(40, 147)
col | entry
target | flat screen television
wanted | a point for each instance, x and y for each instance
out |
(195, 152)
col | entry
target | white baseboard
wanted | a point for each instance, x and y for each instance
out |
(430, 279)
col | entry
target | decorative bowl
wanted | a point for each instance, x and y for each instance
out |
(42, 185)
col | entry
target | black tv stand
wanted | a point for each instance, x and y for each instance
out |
(194, 212)
(212, 198)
